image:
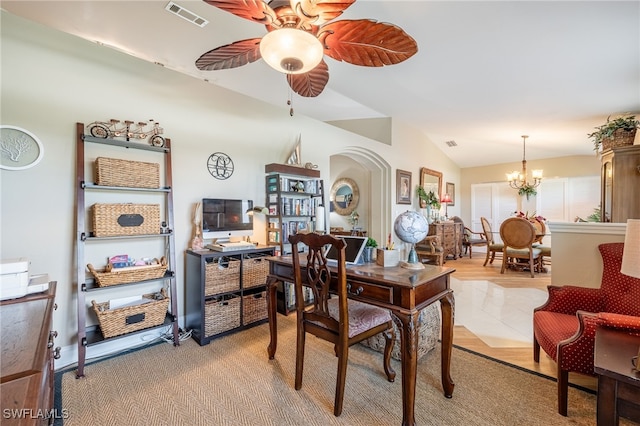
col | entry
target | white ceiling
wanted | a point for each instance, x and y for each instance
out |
(486, 72)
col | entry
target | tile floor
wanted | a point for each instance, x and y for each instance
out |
(501, 317)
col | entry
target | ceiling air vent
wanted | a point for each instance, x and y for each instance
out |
(451, 143)
(185, 14)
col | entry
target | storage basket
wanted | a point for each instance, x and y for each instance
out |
(133, 174)
(114, 276)
(254, 271)
(221, 314)
(222, 274)
(112, 220)
(620, 137)
(114, 322)
(254, 307)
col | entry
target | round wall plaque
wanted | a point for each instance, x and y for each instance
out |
(220, 165)
(19, 148)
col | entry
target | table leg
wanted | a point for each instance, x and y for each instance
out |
(272, 311)
(447, 307)
(606, 412)
(408, 325)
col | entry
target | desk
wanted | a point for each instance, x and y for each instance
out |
(618, 383)
(404, 292)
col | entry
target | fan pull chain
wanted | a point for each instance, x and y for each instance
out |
(290, 103)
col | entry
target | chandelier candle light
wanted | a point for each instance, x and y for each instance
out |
(518, 180)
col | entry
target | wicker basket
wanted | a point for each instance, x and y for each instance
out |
(112, 220)
(255, 271)
(221, 315)
(222, 275)
(254, 307)
(115, 276)
(620, 137)
(133, 174)
(115, 322)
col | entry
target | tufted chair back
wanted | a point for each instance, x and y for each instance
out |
(620, 292)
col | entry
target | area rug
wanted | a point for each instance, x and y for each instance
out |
(232, 382)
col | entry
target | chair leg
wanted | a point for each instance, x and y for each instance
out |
(563, 386)
(300, 356)
(505, 259)
(341, 378)
(531, 265)
(390, 339)
(470, 252)
(486, 259)
(536, 349)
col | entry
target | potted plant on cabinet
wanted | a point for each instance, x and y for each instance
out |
(620, 131)
(430, 200)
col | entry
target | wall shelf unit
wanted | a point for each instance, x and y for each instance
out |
(92, 248)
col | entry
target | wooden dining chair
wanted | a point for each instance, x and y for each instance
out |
(518, 235)
(470, 238)
(338, 319)
(493, 247)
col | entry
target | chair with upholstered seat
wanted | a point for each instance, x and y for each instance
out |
(518, 235)
(337, 319)
(493, 247)
(470, 238)
(431, 249)
(564, 326)
(545, 251)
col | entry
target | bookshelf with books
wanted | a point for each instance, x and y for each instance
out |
(295, 200)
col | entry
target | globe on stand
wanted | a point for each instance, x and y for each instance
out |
(411, 227)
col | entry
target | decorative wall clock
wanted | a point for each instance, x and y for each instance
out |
(19, 148)
(220, 165)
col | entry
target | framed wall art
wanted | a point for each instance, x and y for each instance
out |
(19, 148)
(451, 190)
(403, 187)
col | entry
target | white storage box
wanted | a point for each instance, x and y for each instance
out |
(14, 278)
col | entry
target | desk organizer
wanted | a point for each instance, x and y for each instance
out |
(126, 173)
(113, 220)
(131, 274)
(115, 322)
(387, 258)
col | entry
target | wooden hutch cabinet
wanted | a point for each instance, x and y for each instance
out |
(450, 234)
(620, 184)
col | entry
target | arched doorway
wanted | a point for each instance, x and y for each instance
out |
(378, 187)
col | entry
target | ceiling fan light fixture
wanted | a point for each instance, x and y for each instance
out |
(291, 51)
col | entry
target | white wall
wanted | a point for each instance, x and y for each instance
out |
(52, 80)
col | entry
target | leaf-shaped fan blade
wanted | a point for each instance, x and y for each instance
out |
(366, 42)
(319, 11)
(311, 84)
(253, 10)
(230, 56)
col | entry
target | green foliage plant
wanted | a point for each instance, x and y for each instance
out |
(626, 122)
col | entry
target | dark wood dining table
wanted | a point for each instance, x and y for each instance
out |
(405, 292)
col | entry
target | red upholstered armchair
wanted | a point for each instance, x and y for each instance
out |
(565, 325)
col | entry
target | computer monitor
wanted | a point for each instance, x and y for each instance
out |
(353, 251)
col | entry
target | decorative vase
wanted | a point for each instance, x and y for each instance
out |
(429, 216)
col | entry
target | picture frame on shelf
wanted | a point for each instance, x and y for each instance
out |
(451, 190)
(403, 187)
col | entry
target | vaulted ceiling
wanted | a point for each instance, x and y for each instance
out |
(486, 72)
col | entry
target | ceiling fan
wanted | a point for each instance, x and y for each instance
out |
(299, 34)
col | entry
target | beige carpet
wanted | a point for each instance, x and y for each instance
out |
(232, 382)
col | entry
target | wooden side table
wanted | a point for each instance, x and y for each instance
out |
(618, 382)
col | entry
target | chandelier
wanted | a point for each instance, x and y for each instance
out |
(518, 180)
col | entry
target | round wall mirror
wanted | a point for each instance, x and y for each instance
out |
(344, 196)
